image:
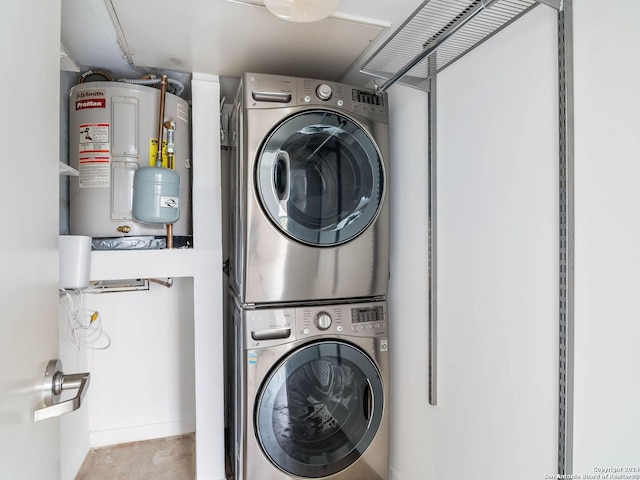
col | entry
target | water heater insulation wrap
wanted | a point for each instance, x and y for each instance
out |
(113, 129)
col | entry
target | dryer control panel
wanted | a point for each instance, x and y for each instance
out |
(275, 91)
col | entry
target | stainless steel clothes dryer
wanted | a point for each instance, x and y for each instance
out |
(311, 392)
(309, 209)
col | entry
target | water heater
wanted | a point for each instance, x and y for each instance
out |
(113, 132)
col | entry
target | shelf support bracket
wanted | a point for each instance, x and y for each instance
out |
(557, 4)
(566, 240)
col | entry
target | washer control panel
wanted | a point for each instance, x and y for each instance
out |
(323, 91)
(361, 319)
(323, 321)
(268, 327)
(367, 318)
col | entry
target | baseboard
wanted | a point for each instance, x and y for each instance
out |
(101, 438)
(393, 474)
(72, 463)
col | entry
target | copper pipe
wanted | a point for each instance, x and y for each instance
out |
(169, 235)
(163, 93)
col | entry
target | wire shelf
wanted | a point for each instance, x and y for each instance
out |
(433, 20)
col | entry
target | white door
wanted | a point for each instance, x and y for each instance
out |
(29, 126)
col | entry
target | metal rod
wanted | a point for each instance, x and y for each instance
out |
(168, 283)
(434, 46)
(566, 240)
(433, 245)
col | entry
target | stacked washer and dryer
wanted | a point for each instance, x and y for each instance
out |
(309, 267)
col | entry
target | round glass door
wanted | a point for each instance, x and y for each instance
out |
(319, 409)
(320, 178)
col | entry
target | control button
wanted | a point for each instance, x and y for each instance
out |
(307, 98)
(306, 331)
(324, 91)
(340, 103)
(323, 320)
(339, 328)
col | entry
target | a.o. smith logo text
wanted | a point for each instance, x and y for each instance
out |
(91, 93)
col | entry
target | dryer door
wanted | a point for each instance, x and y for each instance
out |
(320, 178)
(319, 409)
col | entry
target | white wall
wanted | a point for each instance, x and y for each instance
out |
(408, 290)
(607, 257)
(497, 263)
(143, 384)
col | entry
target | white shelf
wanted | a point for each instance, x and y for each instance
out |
(67, 170)
(437, 34)
(125, 264)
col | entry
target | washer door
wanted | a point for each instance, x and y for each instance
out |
(320, 178)
(319, 409)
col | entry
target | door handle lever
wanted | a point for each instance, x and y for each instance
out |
(52, 386)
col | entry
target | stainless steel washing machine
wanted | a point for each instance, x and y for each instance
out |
(311, 392)
(309, 200)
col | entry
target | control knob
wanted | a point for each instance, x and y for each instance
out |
(323, 320)
(324, 91)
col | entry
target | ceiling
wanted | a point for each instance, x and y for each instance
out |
(226, 37)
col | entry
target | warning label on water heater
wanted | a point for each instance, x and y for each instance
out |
(94, 171)
(94, 138)
(94, 163)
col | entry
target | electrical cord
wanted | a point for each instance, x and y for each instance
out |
(84, 326)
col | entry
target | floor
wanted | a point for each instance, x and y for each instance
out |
(171, 458)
